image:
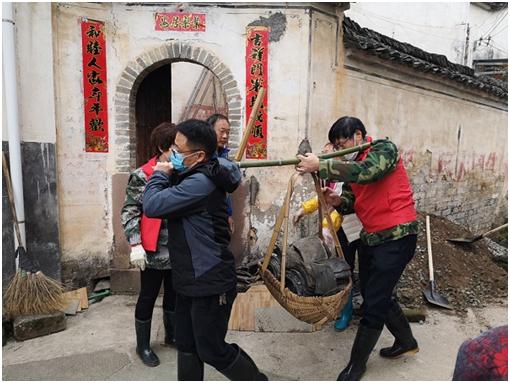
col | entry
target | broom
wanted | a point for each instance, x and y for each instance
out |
(30, 292)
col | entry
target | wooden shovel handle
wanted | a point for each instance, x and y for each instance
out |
(494, 230)
(429, 249)
(251, 120)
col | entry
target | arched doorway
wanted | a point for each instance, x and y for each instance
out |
(141, 67)
(175, 92)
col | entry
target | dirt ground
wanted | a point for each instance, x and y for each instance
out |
(466, 275)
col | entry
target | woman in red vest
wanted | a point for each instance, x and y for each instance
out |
(377, 189)
(148, 238)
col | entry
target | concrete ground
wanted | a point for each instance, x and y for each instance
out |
(98, 344)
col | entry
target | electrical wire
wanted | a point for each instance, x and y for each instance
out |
(505, 27)
(409, 28)
(402, 21)
(487, 19)
(495, 25)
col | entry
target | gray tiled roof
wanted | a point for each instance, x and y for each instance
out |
(403, 53)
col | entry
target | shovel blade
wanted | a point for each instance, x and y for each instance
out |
(433, 297)
(461, 240)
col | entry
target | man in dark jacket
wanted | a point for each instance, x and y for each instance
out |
(189, 192)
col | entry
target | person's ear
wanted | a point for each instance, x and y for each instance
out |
(201, 156)
(358, 136)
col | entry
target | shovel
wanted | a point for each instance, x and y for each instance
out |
(478, 237)
(431, 295)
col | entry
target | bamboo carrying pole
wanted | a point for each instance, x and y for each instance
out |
(251, 120)
(295, 161)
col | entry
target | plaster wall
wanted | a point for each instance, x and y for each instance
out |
(85, 178)
(454, 146)
(36, 102)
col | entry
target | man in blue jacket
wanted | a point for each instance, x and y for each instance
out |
(189, 192)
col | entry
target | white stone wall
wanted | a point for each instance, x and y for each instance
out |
(34, 59)
(453, 142)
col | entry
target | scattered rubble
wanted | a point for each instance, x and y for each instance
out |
(466, 275)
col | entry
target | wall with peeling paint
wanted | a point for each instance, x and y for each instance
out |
(453, 141)
(86, 207)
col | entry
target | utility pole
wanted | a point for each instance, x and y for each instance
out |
(466, 49)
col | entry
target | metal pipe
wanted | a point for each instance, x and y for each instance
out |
(11, 102)
(295, 161)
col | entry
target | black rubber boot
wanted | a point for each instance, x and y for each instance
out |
(143, 347)
(169, 323)
(364, 343)
(189, 366)
(404, 343)
(243, 368)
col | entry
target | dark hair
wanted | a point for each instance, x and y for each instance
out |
(162, 136)
(213, 118)
(345, 127)
(200, 135)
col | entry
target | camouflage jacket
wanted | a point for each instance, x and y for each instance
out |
(381, 160)
(131, 215)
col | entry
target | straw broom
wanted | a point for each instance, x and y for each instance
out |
(30, 292)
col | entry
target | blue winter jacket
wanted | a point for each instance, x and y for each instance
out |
(223, 153)
(194, 205)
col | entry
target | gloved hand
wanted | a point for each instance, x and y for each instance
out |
(137, 256)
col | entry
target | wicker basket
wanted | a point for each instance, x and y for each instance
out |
(315, 310)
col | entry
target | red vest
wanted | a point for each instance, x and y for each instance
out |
(149, 227)
(385, 203)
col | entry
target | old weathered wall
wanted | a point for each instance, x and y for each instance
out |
(453, 140)
(86, 191)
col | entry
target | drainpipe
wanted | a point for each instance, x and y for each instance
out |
(11, 102)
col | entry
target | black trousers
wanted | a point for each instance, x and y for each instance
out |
(349, 249)
(201, 326)
(380, 268)
(150, 284)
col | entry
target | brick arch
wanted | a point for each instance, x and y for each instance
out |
(136, 71)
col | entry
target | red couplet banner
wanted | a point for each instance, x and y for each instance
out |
(94, 86)
(257, 51)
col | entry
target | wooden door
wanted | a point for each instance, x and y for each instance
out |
(153, 106)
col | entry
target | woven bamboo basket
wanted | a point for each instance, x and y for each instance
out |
(315, 310)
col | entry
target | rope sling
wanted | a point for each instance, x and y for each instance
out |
(315, 310)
